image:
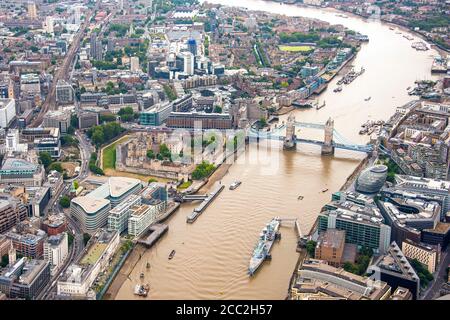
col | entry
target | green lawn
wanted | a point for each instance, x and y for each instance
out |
(185, 185)
(109, 154)
(109, 157)
(93, 254)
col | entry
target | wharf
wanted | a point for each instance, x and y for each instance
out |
(153, 234)
(205, 203)
(172, 207)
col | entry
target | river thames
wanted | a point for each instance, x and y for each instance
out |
(212, 254)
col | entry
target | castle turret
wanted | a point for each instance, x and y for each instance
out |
(327, 147)
(290, 140)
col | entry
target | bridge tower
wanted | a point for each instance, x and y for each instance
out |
(290, 140)
(327, 147)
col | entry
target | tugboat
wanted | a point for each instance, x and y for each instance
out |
(262, 250)
(172, 253)
(141, 290)
(235, 184)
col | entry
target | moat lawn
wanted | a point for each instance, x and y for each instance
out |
(109, 154)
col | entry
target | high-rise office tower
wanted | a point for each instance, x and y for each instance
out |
(32, 11)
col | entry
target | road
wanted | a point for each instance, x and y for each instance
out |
(74, 251)
(86, 150)
(78, 245)
(440, 277)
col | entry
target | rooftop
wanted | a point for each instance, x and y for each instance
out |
(317, 279)
(332, 238)
(441, 227)
(90, 204)
(13, 164)
(422, 183)
(395, 263)
(115, 187)
(93, 254)
(140, 210)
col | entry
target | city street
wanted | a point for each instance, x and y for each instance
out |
(440, 277)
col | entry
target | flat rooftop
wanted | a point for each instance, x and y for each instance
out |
(441, 227)
(332, 238)
(139, 210)
(13, 164)
(90, 204)
(94, 253)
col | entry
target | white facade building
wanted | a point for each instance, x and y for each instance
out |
(118, 216)
(425, 254)
(188, 63)
(141, 217)
(56, 249)
(12, 143)
(7, 112)
(134, 64)
(49, 25)
(78, 278)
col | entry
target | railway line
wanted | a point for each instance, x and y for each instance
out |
(63, 71)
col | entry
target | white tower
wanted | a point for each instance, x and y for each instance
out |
(188, 63)
(49, 25)
(77, 15)
(32, 12)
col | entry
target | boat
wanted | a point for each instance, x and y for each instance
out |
(367, 99)
(324, 190)
(262, 249)
(202, 207)
(172, 253)
(141, 290)
(235, 184)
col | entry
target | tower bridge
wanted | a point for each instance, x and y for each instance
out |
(332, 138)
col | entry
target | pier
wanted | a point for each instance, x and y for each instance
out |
(153, 234)
(171, 208)
(202, 206)
(296, 224)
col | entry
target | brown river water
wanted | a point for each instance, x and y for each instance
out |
(212, 254)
